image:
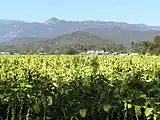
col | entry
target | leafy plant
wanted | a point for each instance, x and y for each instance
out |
(80, 87)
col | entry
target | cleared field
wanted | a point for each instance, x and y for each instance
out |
(79, 87)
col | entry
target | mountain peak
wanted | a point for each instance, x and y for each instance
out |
(53, 20)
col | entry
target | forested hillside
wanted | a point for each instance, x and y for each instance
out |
(77, 41)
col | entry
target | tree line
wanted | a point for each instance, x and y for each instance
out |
(151, 47)
(141, 47)
(63, 49)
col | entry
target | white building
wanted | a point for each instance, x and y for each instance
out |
(106, 53)
(95, 52)
(115, 53)
(90, 52)
(133, 54)
(123, 54)
(42, 53)
(4, 53)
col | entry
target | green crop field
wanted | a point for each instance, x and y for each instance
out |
(79, 87)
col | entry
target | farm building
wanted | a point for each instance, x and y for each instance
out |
(95, 52)
(42, 53)
(5, 53)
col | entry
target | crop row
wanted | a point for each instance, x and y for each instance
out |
(79, 87)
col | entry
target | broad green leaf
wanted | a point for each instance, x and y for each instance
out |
(83, 112)
(149, 80)
(107, 108)
(22, 84)
(143, 96)
(156, 117)
(15, 89)
(157, 103)
(28, 95)
(1, 96)
(138, 110)
(125, 105)
(28, 86)
(50, 100)
(148, 111)
(37, 107)
(147, 103)
(129, 106)
(55, 84)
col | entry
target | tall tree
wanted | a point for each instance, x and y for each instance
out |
(142, 47)
(155, 46)
(132, 44)
(157, 39)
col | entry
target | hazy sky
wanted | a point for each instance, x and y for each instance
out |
(131, 11)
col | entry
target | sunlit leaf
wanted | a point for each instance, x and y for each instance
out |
(55, 84)
(107, 108)
(50, 102)
(148, 111)
(157, 103)
(37, 107)
(28, 86)
(125, 105)
(15, 89)
(83, 112)
(147, 103)
(143, 96)
(22, 84)
(129, 106)
(28, 95)
(138, 110)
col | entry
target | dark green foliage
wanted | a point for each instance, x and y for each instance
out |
(156, 39)
(155, 46)
(152, 47)
(33, 87)
(142, 47)
(70, 51)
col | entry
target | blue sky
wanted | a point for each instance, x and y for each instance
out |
(131, 11)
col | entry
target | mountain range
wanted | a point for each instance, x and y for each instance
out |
(118, 32)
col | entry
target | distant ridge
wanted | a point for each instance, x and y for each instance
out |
(120, 32)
